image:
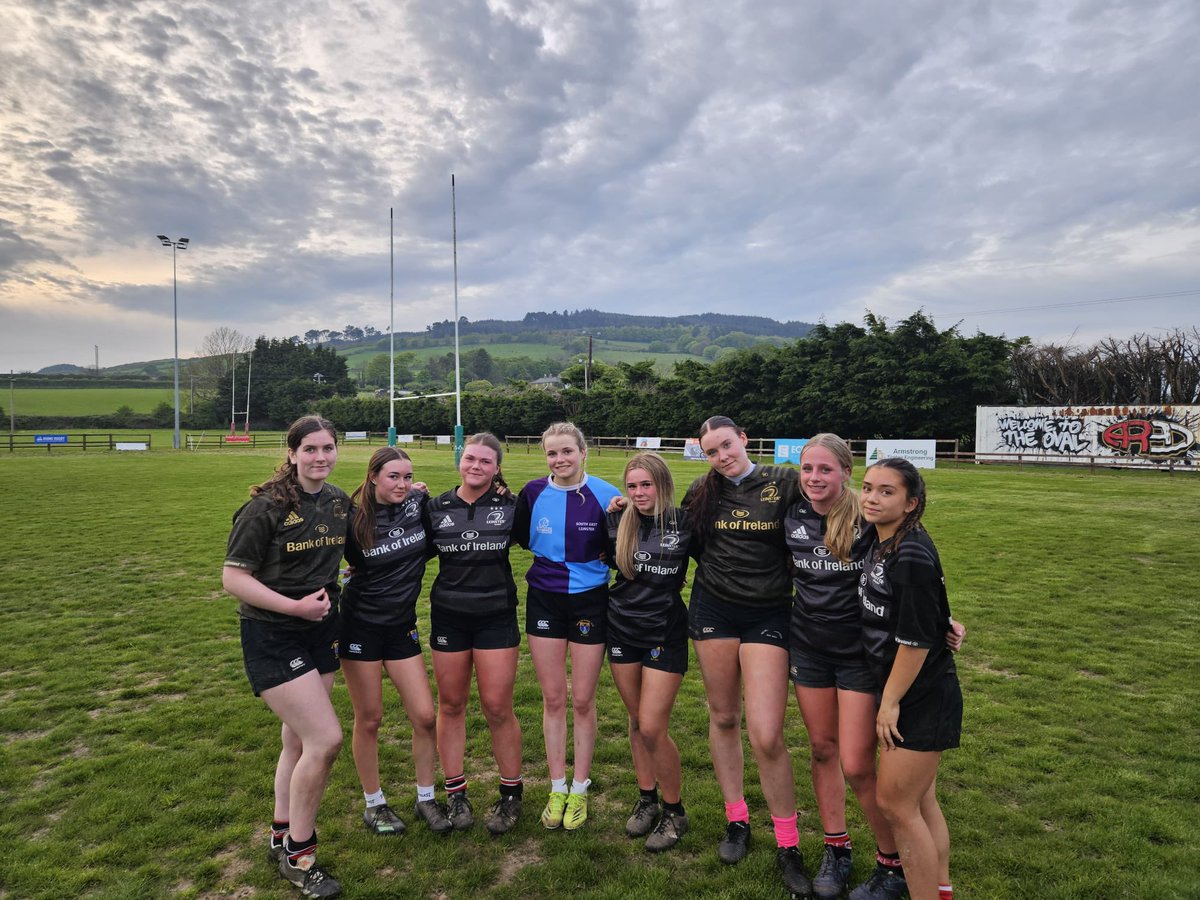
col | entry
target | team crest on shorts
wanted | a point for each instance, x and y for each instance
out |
(416, 638)
(656, 652)
(584, 626)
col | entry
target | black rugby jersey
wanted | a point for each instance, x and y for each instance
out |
(744, 558)
(471, 541)
(903, 599)
(292, 551)
(649, 610)
(826, 611)
(387, 576)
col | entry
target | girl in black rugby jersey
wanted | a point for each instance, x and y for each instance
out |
(387, 549)
(647, 639)
(738, 620)
(282, 564)
(473, 625)
(905, 617)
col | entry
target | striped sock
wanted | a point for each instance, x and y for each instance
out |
(456, 784)
(840, 843)
(945, 892)
(512, 787)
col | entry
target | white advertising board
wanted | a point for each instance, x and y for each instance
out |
(922, 454)
(649, 443)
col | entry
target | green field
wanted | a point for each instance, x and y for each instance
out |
(88, 401)
(610, 352)
(134, 761)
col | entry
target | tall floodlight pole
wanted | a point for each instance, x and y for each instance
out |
(391, 328)
(176, 245)
(458, 428)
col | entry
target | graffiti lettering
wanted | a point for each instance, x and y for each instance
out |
(1054, 434)
(1148, 437)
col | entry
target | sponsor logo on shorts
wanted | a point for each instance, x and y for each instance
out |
(707, 629)
(670, 541)
(470, 535)
(642, 556)
(771, 633)
(656, 652)
(396, 532)
(585, 626)
(616, 651)
(795, 670)
(441, 640)
(355, 648)
(292, 519)
(495, 517)
(543, 526)
(542, 624)
(296, 663)
(770, 494)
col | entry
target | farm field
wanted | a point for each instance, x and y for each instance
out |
(605, 351)
(135, 762)
(90, 401)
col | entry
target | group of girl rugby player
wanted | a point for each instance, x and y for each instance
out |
(794, 575)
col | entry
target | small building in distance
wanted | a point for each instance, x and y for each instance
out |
(547, 383)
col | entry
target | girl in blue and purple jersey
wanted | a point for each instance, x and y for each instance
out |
(561, 519)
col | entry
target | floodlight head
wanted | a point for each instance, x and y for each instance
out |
(166, 241)
(182, 243)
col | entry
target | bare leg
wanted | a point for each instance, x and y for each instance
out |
(550, 664)
(764, 669)
(722, 675)
(363, 681)
(628, 679)
(819, 707)
(303, 705)
(412, 682)
(856, 725)
(905, 777)
(586, 662)
(658, 699)
(495, 675)
(453, 674)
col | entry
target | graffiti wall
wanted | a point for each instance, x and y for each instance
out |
(1110, 435)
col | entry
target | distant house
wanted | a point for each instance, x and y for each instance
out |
(547, 383)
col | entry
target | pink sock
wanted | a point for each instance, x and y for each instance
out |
(737, 812)
(785, 831)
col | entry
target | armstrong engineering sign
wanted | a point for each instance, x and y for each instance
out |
(1147, 436)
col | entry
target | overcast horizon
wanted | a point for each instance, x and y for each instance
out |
(1013, 168)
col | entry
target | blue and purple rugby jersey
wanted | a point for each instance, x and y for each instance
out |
(565, 529)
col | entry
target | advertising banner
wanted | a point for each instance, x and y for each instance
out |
(693, 450)
(922, 454)
(787, 450)
(1142, 436)
(649, 443)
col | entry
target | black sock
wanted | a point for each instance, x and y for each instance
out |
(295, 849)
(675, 809)
(890, 861)
(650, 796)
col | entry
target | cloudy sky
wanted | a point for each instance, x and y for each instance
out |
(1021, 168)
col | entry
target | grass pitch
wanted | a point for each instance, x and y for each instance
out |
(135, 762)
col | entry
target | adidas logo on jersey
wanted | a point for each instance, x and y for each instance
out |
(800, 534)
(447, 522)
(292, 519)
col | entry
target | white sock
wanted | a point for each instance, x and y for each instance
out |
(375, 799)
(424, 793)
(558, 785)
(580, 787)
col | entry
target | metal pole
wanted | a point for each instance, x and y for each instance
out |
(391, 327)
(458, 428)
(175, 282)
